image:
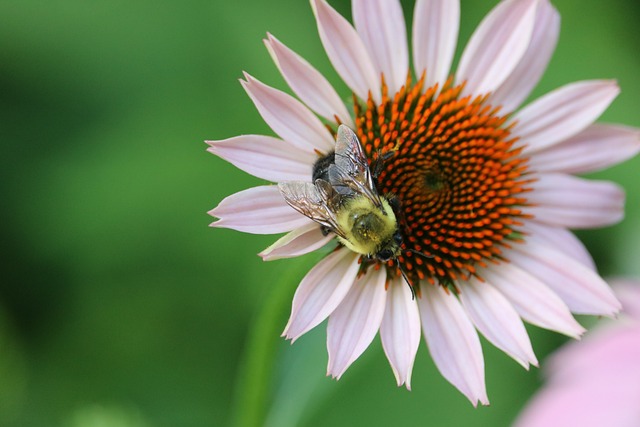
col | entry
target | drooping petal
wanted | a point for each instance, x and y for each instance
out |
(381, 26)
(525, 76)
(307, 82)
(497, 45)
(435, 34)
(320, 292)
(562, 113)
(400, 331)
(595, 148)
(532, 299)
(257, 210)
(266, 157)
(579, 287)
(497, 320)
(288, 117)
(346, 51)
(453, 342)
(298, 242)
(561, 239)
(355, 322)
(568, 201)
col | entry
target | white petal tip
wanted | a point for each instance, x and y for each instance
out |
(482, 400)
(334, 375)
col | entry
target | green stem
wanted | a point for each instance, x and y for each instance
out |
(255, 373)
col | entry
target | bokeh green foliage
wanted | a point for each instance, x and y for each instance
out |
(118, 306)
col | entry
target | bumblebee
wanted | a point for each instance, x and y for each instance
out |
(344, 200)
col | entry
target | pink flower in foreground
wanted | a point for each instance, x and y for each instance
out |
(484, 187)
(595, 382)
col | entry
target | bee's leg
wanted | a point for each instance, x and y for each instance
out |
(394, 202)
(378, 163)
(408, 282)
(325, 230)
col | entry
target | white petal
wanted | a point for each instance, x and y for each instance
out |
(497, 320)
(595, 148)
(579, 287)
(453, 342)
(435, 34)
(400, 331)
(497, 45)
(563, 113)
(531, 67)
(561, 239)
(532, 299)
(346, 51)
(258, 210)
(568, 201)
(266, 157)
(321, 290)
(308, 83)
(288, 117)
(354, 324)
(381, 26)
(298, 242)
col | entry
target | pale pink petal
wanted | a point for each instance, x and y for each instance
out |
(561, 239)
(288, 117)
(595, 148)
(579, 287)
(257, 210)
(497, 320)
(515, 89)
(628, 291)
(400, 331)
(266, 157)
(321, 290)
(532, 299)
(568, 201)
(435, 34)
(354, 324)
(593, 383)
(619, 342)
(298, 242)
(346, 51)
(497, 45)
(563, 113)
(381, 26)
(453, 342)
(605, 403)
(308, 83)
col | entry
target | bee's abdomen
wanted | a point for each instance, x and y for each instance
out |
(321, 167)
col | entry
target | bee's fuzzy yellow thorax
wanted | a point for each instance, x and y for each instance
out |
(367, 227)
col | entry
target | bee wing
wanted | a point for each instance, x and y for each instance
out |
(350, 171)
(312, 202)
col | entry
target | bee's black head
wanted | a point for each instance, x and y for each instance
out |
(385, 255)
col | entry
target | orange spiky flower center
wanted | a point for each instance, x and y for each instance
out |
(451, 163)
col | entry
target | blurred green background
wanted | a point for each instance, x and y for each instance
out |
(118, 305)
